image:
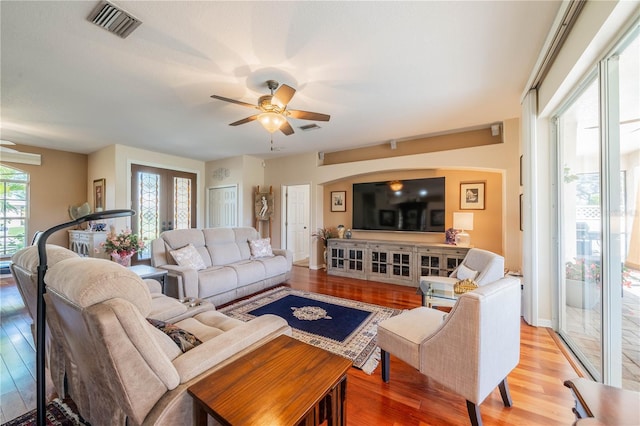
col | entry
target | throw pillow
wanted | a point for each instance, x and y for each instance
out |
(260, 248)
(188, 256)
(185, 340)
(465, 273)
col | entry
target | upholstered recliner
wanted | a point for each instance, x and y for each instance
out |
(126, 369)
(481, 266)
(470, 350)
(24, 268)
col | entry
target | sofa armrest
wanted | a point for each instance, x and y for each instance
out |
(237, 340)
(188, 277)
(288, 254)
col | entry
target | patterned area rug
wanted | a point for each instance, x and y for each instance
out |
(59, 413)
(344, 327)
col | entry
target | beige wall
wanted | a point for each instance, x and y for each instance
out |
(487, 223)
(497, 163)
(55, 185)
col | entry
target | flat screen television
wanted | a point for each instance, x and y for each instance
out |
(418, 206)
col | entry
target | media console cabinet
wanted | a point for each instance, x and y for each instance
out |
(391, 261)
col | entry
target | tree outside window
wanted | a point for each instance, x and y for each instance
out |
(13, 210)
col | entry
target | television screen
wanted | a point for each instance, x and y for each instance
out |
(402, 205)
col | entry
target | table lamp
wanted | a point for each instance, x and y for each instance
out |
(41, 404)
(464, 222)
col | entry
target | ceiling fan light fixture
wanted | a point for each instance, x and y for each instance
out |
(271, 121)
(395, 185)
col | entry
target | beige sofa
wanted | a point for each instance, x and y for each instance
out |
(126, 369)
(229, 270)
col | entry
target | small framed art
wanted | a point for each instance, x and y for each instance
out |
(99, 195)
(472, 195)
(338, 201)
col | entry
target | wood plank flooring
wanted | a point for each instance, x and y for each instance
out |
(539, 397)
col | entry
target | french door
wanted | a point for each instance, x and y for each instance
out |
(598, 134)
(163, 199)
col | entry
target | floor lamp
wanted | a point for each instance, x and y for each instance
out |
(40, 309)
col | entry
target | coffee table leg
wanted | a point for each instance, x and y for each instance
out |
(199, 415)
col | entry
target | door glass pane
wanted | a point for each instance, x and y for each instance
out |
(149, 210)
(629, 94)
(182, 203)
(580, 228)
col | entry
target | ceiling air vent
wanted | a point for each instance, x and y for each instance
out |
(309, 127)
(113, 19)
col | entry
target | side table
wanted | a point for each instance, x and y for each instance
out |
(146, 271)
(599, 404)
(436, 288)
(283, 382)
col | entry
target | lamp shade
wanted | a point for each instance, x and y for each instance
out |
(463, 220)
(271, 121)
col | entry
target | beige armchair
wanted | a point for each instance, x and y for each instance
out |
(470, 350)
(126, 371)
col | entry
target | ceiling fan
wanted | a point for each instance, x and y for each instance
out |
(273, 109)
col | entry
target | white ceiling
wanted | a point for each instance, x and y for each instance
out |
(382, 70)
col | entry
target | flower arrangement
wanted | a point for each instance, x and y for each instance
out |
(324, 234)
(123, 244)
(581, 271)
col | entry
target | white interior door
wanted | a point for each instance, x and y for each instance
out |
(223, 207)
(297, 221)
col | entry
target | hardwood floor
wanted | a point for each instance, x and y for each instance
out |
(539, 397)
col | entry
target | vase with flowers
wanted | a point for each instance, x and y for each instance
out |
(582, 283)
(121, 247)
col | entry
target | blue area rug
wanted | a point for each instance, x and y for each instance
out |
(314, 316)
(342, 326)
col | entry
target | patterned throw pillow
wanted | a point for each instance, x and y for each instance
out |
(185, 340)
(188, 256)
(465, 273)
(260, 248)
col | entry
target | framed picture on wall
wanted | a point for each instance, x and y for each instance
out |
(338, 201)
(472, 195)
(99, 195)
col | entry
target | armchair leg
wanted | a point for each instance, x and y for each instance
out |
(384, 355)
(504, 392)
(474, 413)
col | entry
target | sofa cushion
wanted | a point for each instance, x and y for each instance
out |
(182, 338)
(222, 246)
(178, 238)
(188, 256)
(260, 248)
(29, 259)
(274, 266)
(216, 280)
(249, 272)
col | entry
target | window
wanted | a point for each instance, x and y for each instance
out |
(14, 187)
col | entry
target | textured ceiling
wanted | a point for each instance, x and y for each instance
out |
(382, 70)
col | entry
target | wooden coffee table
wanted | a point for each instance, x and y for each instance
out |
(284, 382)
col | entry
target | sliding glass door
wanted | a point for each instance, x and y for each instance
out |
(598, 134)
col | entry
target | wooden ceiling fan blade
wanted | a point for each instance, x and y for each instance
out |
(286, 128)
(306, 115)
(283, 95)
(244, 120)
(233, 101)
